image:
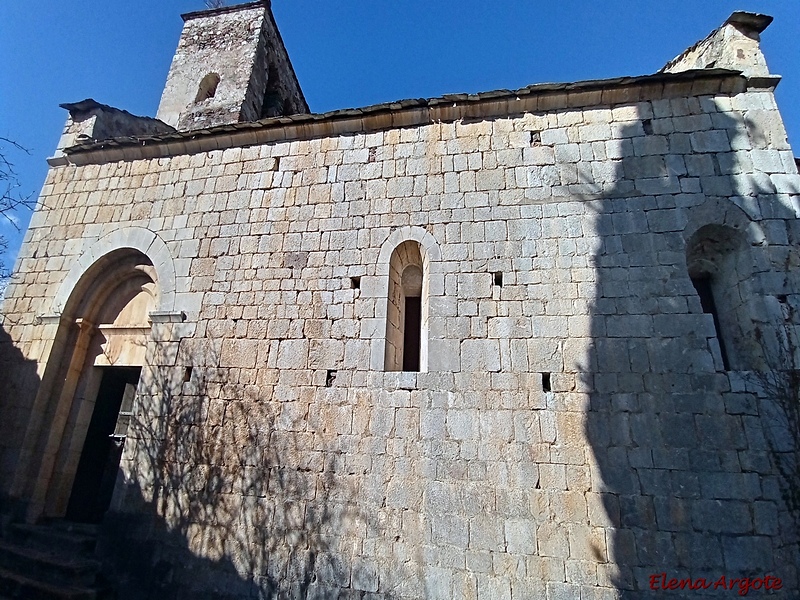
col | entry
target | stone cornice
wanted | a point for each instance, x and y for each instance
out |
(409, 113)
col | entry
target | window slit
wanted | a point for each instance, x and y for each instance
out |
(546, 385)
(411, 333)
(330, 377)
(702, 284)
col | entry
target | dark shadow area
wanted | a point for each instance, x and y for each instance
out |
(684, 464)
(19, 382)
(227, 497)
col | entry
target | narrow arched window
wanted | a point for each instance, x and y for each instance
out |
(405, 309)
(208, 87)
(720, 269)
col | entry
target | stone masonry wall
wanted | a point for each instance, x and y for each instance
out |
(574, 432)
(243, 48)
(225, 44)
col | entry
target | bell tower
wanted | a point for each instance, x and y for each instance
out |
(230, 66)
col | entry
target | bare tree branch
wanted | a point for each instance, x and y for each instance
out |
(11, 199)
(778, 388)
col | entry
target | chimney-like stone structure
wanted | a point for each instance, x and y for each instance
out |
(230, 66)
(735, 45)
(90, 121)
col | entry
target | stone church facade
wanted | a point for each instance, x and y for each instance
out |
(493, 346)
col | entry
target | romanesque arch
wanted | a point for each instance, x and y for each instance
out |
(719, 239)
(718, 211)
(75, 437)
(408, 267)
(404, 324)
(99, 253)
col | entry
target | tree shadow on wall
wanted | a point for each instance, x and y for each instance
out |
(681, 459)
(19, 381)
(226, 497)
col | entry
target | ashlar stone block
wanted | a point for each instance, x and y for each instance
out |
(480, 356)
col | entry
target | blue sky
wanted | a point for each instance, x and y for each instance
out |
(354, 52)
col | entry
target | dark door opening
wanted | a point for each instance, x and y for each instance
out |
(102, 450)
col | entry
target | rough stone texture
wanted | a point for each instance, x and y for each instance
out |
(90, 120)
(242, 47)
(735, 45)
(573, 430)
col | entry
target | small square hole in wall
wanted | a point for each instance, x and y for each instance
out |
(330, 377)
(355, 283)
(546, 386)
(647, 125)
(536, 138)
(497, 278)
(187, 374)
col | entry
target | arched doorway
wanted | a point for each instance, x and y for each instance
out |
(105, 328)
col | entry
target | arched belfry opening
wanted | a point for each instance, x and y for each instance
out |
(207, 88)
(720, 268)
(406, 314)
(102, 339)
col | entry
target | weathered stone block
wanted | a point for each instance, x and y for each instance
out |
(462, 424)
(239, 353)
(480, 356)
(520, 536)
(722, 516)
(292, 354)
(748, 554)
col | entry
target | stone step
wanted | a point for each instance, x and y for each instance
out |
(15, 585)
(88, 529)
(48, 566)
(52, 539)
